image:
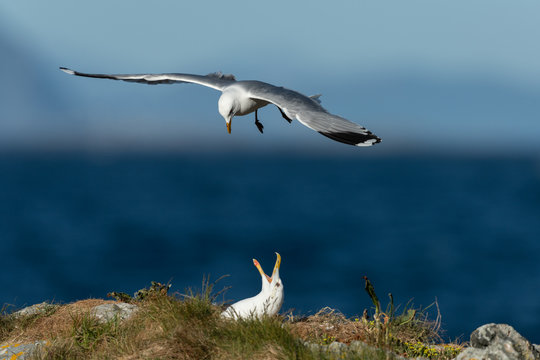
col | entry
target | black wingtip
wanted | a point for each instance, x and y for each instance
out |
(352, 138)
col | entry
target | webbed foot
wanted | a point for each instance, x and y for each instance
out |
(259, 126)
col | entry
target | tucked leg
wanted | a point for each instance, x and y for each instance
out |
(258, 123)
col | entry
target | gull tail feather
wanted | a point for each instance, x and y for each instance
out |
(316, 98)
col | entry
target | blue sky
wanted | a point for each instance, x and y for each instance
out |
(395, 67)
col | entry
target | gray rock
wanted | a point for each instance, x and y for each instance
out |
(35, 309)
(356, 349)
(19, 351)
(107, 312)
(363, 350)
(358, 346)
(500, 342)
(313, 347)
(337, 348)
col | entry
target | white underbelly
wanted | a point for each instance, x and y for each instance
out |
(248, 105)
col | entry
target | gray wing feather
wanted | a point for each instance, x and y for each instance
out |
(310, 113)
(216, 81)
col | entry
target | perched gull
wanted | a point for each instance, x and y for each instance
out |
(245, 97)
(267, 302)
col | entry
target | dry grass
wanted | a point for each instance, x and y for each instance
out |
(173, 327)
(407, 336)
(58, 323)
(327, 326)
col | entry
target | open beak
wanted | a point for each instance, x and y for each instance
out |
(258, 266)
(229, 127)
(276, 268)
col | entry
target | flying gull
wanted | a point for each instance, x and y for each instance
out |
(267, 302)
(244, 97)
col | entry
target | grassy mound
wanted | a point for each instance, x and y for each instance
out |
(190, 327)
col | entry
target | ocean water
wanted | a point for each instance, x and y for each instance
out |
(464, 232)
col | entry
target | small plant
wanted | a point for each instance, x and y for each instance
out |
(120, 296)
(418, 349)
(410, 332)
(327, 339)
(371, 292)
(88, 332)
(155, 289)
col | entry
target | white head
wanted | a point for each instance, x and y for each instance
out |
(228, 106)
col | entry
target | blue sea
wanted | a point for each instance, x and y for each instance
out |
(461, 231)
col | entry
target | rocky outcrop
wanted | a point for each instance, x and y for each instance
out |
(36, 309)
(103, 313)
(107, 312)
(19, 351)
(501, 342)
(488, 342)
(356, 349)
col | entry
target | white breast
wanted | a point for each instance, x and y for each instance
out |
(265, 303)
(247, 104)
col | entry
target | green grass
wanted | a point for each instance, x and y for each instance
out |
(190, 327)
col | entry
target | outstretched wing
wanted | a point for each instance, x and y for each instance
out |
(216, 81)
(310, 113)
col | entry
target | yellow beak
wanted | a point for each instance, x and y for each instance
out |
(278, 263)
(229, 127)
